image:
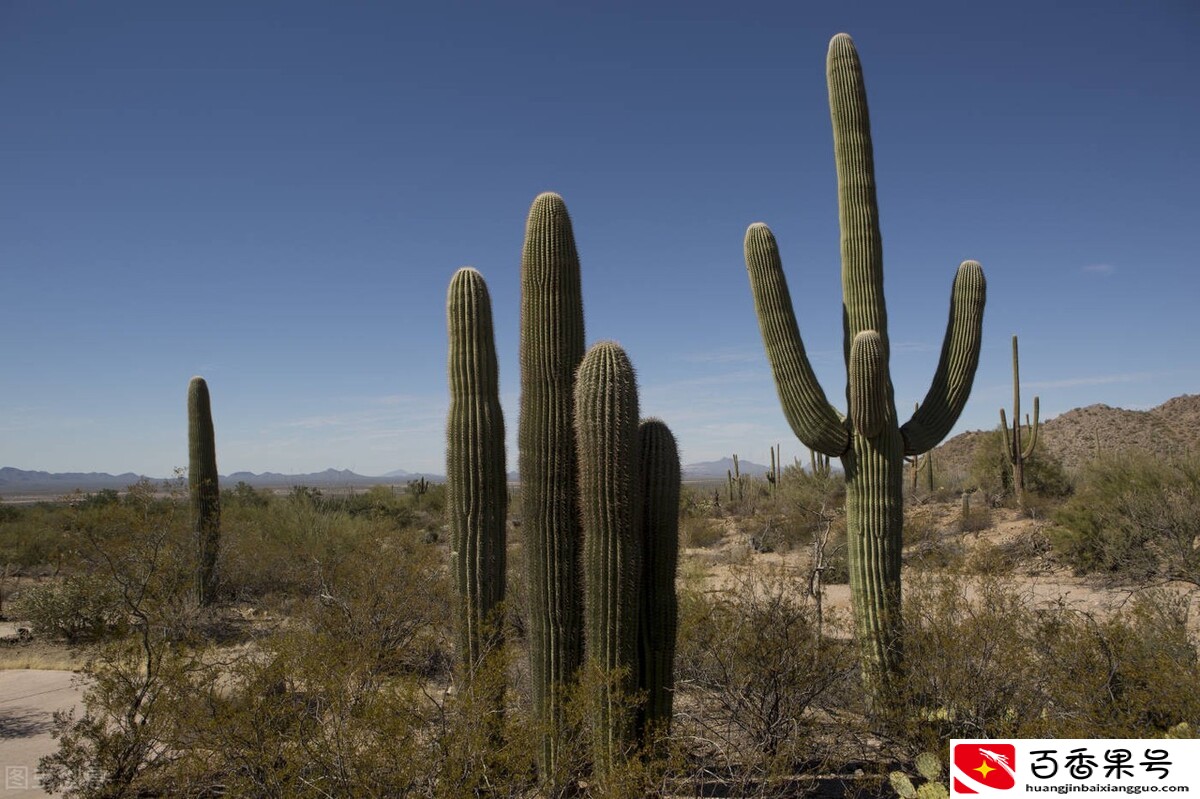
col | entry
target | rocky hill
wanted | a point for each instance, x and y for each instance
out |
(1074, 437)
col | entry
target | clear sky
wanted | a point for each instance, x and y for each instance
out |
(275, 195)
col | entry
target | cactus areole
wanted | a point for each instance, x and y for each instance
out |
(869, 440)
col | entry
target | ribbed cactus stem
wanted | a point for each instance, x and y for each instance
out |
(477, 492)
(659, 477)
(871, 444)
(869, 406)
(606, 423)
(551, 348)
(1018, 454)
(203, 488)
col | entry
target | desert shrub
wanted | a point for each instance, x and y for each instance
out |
(984, 660)
(1133, 674)
(79, 608)
(698, 532)
(754, 658)
(1133, 517)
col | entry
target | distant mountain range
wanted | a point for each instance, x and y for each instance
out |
(15, 482)
(1073, 437)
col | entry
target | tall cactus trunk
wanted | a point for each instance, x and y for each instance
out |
(477, 492)
(1018, 452)
(659, 476)
(606, 422)
(551, 348)
(870, 443)
(204, 489)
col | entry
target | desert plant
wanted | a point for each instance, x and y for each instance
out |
(871, 443)
(204, 488)
(551, 348)
(475, 469)
(659, 484)
(1018, 454)
(606, 419)
(1133, 517)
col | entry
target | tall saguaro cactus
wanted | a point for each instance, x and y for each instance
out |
(606, 423)
(659, 478)
(870, 442)
(203, 488)
(1012, 442)
(551, 348)
(477, 491)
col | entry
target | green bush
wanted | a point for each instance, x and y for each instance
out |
(1133, 517)
(755, 658)
(77, 609)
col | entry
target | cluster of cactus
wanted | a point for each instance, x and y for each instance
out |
(930, 768)
(1017, 452)
(735, 480)
(203, 489)
(419, 487)
(871, 443)
(599, 501)
(818, 464)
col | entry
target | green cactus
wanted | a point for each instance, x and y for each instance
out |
(203, 488)
(871, 443)
(929, 767)
(477, 490)
(659, 478)
(606, 423)
(773, 475)
(1017, 455)
(551, 348)
(818, 463)
(418, 488)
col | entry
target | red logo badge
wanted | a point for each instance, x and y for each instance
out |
(978, 768)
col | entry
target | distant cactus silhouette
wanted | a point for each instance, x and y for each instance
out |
(871, 443)
(203, 488)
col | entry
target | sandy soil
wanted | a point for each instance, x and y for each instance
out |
(28, 700)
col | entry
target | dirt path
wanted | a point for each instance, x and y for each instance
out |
(28, 700)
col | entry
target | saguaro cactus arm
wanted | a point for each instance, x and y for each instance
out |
(869, 406)
(947, 396)
(814, 421)
(858, 212)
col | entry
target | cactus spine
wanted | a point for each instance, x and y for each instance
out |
(606, 422)
(870, 442)
(203, 488)
(1012, 441)
(659, 476)
(551, 348)
(477, 492)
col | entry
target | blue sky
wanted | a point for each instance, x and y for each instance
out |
(275, 195)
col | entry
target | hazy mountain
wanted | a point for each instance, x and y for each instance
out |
(18, 481)
(718, 470)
